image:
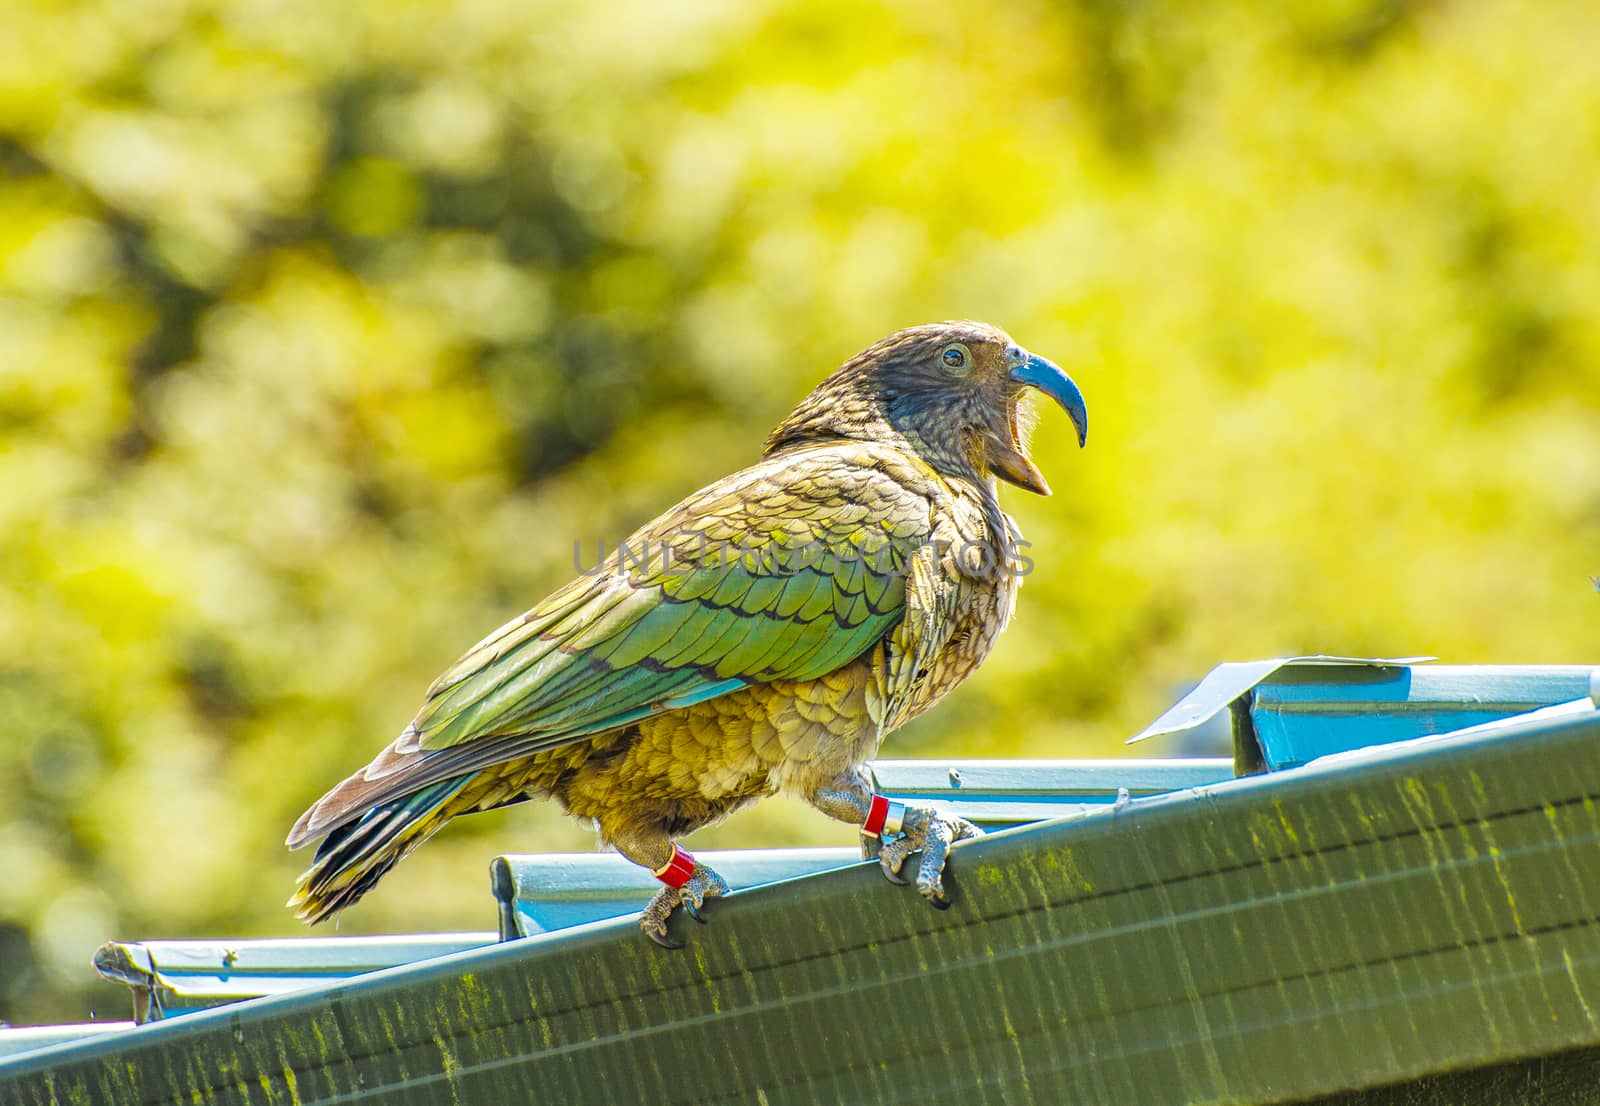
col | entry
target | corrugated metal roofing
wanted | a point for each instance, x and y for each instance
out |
(1373, 917)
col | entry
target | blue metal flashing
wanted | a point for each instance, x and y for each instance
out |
(1000, 793)
(174, 977)
(15, 1040)
(1290, 711)
(545, 892)
(1305, 712)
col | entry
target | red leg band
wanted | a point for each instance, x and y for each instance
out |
(875, 816)
(676, 872)
(884, 817)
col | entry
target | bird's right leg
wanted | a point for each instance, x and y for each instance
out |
(904, 828)
(688, 883)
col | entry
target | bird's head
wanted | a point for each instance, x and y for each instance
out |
(950, 392)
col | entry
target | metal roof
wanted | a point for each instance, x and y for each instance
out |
(1370, 917)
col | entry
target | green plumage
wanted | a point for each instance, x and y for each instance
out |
(767, 599)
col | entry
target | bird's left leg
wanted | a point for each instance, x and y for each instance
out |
(688, 883)
(903, 828)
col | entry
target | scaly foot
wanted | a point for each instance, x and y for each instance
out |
(703, 884)
(931, 832)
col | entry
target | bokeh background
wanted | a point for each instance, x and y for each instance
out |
(326, 330)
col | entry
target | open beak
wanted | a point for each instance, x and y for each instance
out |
(1006, 459)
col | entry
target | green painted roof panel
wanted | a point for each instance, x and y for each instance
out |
(1380, 916)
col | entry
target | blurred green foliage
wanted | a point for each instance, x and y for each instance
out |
(325, 330)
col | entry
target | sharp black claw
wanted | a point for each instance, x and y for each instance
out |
(693, 911)
(938, 902)
(893, 877)
(663, 940)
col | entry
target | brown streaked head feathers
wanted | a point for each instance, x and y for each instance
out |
(949, 392)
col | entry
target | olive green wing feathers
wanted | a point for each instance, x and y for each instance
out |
(787, 570)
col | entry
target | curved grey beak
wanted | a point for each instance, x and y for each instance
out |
(1046, 376)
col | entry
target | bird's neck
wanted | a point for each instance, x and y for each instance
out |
(960, 466)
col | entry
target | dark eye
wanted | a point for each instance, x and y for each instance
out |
(955, 357)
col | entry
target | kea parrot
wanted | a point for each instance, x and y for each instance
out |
(763, 635)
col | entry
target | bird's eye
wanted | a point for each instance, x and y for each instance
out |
(954, 357)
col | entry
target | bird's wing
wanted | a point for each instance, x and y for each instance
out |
(786, 570)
